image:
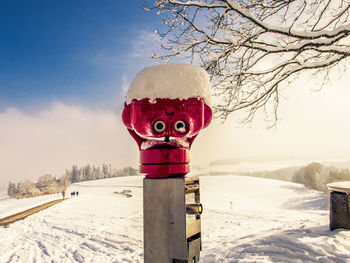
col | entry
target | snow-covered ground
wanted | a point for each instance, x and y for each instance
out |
(245, 219)
(10, 206)
(255, 166)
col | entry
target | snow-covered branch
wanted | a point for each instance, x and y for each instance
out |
(252, 47)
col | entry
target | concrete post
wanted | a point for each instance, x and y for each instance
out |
(168, 237)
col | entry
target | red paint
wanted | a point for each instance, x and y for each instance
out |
(165, 155)
(165, 170)
(150, 123)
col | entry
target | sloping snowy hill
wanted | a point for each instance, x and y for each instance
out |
(245, 219)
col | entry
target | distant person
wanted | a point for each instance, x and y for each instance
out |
(77, 193)
(63, 194)
(72, 194)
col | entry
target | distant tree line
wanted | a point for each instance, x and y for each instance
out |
(282, 174)
(88, 173)
(46, 184)
(49, 184)
(316, 176)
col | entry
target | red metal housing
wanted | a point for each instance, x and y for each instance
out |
(164, 131)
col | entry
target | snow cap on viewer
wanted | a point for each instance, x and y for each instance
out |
(170, 81)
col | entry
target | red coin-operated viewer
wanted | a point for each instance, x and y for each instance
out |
(165, 127)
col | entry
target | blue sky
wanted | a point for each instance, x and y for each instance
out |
(78, 52)
(65, 67)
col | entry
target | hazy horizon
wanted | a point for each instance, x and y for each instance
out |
(62, 93)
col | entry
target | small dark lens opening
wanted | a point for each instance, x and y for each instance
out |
(180, 125)
(159, 126)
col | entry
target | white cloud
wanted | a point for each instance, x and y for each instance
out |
(139, 54)
(145, 44)
(58, 137)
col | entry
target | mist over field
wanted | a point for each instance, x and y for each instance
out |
(52, 139)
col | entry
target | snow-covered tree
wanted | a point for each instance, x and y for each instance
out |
(128, 171)
(253, 47)
(76, 174)
(47, 184)
(11, 189)
(105, 171)
(97, 172)
(27, 189)
(316, 176)
(88, 175)
(65, 180)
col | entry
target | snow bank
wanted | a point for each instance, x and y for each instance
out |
(170, 81)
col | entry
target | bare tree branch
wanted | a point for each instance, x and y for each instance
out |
(253, 47)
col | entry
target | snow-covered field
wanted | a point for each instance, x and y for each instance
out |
(245, 219)
(255, 166)
(10, 206)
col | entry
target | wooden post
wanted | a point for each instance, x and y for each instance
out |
(339, 215)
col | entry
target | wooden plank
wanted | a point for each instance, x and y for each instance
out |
(194, 248)
(192, 189)
(197, 197)
(191, 180)
(193, 227)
